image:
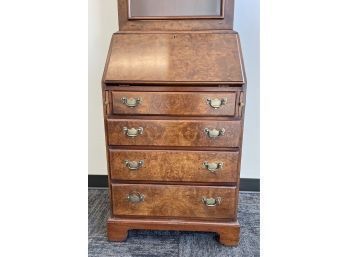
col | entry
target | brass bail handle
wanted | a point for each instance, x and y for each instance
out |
(216, 103)
(131, 102)
(213, 167)
(134, 165)
(211, 202)
(214, 133)
(133, 132)
(135, 197)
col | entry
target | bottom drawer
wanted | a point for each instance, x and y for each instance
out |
(174, 201)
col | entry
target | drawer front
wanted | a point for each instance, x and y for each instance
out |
(202, 133)
(174, 103)
(181, 166)
(174, 201)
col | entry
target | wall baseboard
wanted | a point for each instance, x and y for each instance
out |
(246, 184)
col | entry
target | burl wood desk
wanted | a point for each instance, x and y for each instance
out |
(174, 94)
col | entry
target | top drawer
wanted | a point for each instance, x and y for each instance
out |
(174, 103)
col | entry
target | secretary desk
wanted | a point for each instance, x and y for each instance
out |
(174, 97)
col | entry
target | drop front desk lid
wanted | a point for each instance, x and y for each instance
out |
(177, 58)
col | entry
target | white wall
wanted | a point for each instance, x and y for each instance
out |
(103, 22)
(246, 22)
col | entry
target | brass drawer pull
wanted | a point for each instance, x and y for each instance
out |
(134, 165)
(133, 132)
(216, 103)
(213, 167)
(213, 133)
(131, 102)
(135, 197)
(211, 202)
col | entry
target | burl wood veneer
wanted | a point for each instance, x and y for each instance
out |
(174, 98)
(174, 103)
(174, 132)
(163, 166)
(175, 57)
(179, 201)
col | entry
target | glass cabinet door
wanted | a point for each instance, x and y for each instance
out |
(172, 9)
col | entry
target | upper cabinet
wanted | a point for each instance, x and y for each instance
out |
(179, 9)
(171, 15)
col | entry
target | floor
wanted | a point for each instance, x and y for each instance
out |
(171, 243)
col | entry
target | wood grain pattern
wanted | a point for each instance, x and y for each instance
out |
(229, 231)
(174, 88)
(172, 65)
(174, 132)
(173, 201)
(195, 57)
(125, 24)
(174, 103)
(170, 165)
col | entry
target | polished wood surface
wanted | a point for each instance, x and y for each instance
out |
(174, 166)
(164, 70)
(173, 201)
(181, 23)
(174, 103)
(173, 88)
(228, 231)
(195, 57)
(174, 132)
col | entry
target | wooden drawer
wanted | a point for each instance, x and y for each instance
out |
(170, 165)
(173, 201)
(174, 103)
(174, 132)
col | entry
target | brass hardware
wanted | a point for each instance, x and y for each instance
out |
(211, 202)
(133, 132)
(216, 103)
(131, 102)
(241, 104)
(135, 197)
(106, 100)
(213, 133)
(107, 103)
(213, 167)
(134, 165)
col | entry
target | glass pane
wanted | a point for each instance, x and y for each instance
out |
(172, 8)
